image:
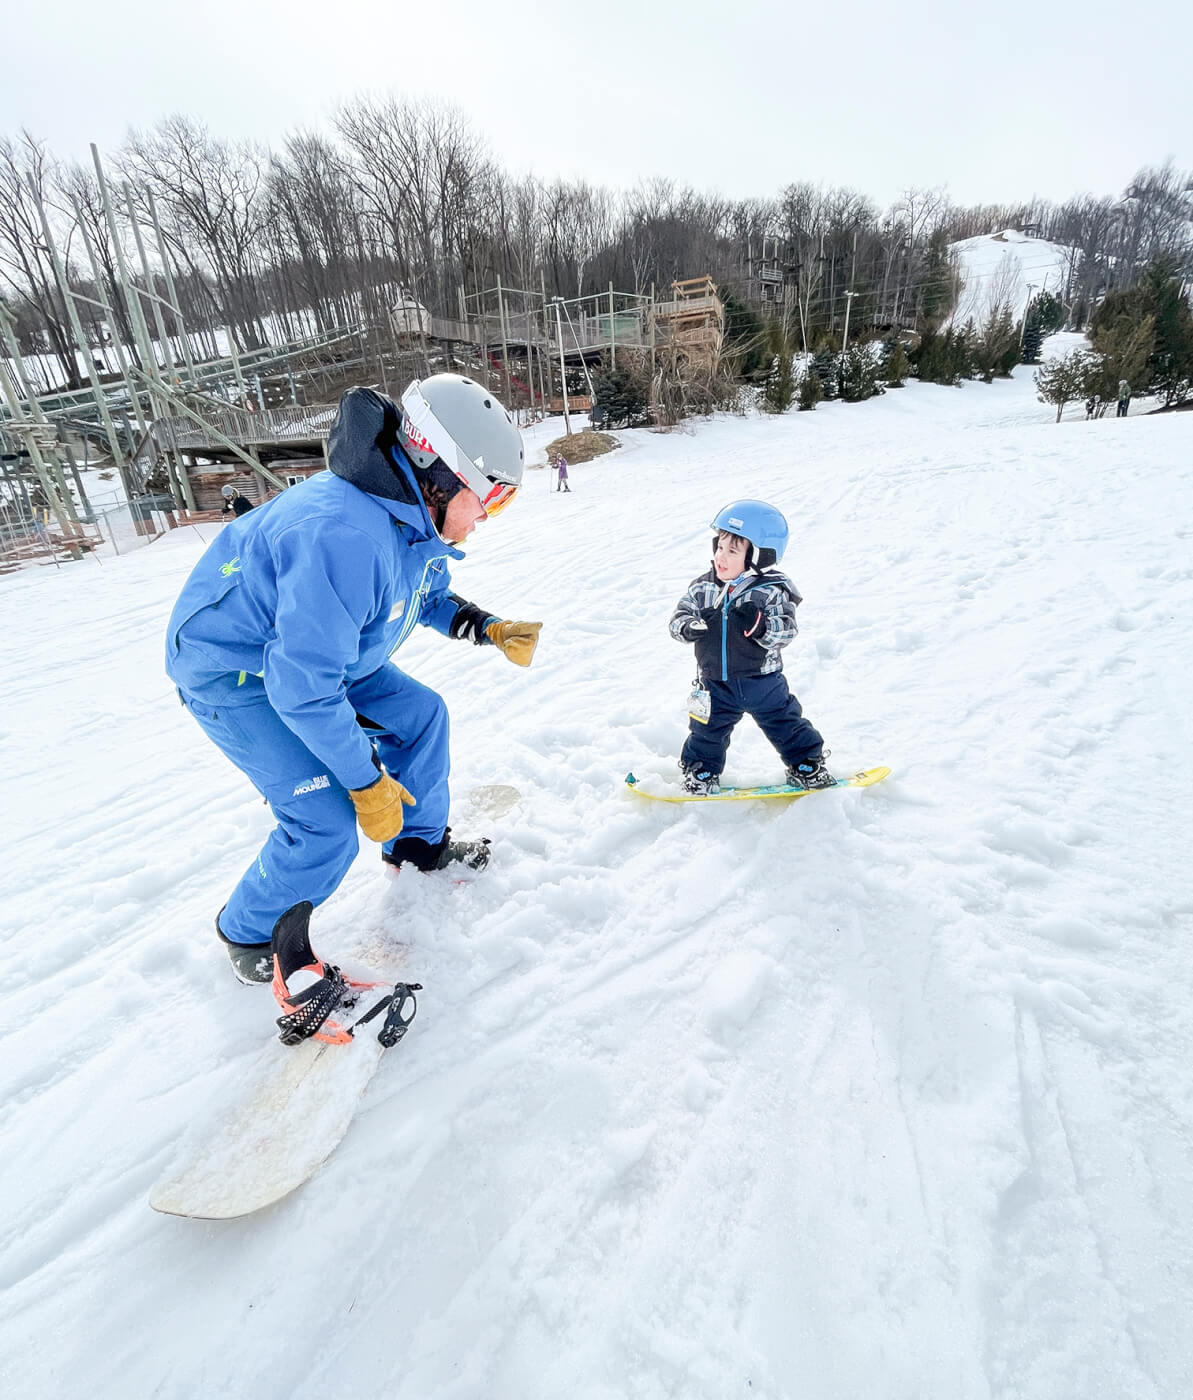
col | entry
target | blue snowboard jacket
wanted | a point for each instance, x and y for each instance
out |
(299, 599)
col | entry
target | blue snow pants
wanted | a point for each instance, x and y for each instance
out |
(774, 709)
(315, 841)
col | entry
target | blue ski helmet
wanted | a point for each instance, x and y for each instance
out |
(762, 525)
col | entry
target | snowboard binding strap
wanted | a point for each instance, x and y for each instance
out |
(308, 1012)
(402, 1005)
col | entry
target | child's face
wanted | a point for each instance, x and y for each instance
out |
(730, 558)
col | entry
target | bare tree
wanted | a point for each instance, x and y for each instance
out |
(213, 210)
(25, 263)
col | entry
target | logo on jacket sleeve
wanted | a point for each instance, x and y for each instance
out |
(397, 610)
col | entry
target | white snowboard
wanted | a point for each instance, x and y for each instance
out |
(257, 1147)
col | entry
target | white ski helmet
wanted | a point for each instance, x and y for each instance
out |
(455, 419)
(228, 492)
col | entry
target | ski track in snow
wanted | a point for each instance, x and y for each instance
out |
(884, 1093)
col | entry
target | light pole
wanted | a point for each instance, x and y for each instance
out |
(563, 379)
(849, 296)
(1031, 286)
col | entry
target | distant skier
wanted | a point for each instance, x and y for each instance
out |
(1093, 406)
(561, 467)
(281, 653)
(740, 615)
(1124, 398)
(234, 502)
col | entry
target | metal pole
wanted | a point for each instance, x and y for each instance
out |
(29, 433)
(81, 340)
(505, 348)
(849, 296)
(133, 302)
(175, 304)
(174, 467)
(1031, 286)
(651, 314)
(612, 332)
(117, 343)
(563, 379)
(253, 464)
(136, 316)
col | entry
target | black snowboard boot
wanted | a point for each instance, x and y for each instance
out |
(811, 774)
(428, 855)
(251, 962)
(701, 782)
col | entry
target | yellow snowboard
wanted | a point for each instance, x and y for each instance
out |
(866, 778)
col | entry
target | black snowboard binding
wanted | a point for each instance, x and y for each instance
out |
(309, 1012)
(438, 855)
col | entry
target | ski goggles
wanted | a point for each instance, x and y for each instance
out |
(428, 433)
(501, 493)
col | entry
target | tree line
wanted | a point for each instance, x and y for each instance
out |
(330, 229)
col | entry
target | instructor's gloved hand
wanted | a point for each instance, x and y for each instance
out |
(516, 639)
(379, 808)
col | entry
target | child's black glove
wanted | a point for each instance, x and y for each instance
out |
(692, 628)
(749, 620)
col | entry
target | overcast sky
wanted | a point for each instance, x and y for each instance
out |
(997, 102)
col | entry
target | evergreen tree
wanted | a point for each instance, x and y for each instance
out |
(1155, 299)
(811, 391)
(1047, 312)
(1033, 339)
(1068, 378)
(996, 344)
(824, 362)
(859, 374)
(897, 366)
(779, 393)
(944, 359)
(942, 284)
(622, 399)
(1171, 360)
(1125, 348)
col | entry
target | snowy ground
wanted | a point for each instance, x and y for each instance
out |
(882, 1094)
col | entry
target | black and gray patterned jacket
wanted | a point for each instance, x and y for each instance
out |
(746, 623)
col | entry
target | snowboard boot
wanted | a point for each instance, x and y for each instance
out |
(309, 991)
(701, 782)
(251, 962)
(438, 855)
(810, 774)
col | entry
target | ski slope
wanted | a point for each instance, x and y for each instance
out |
(1006, 268)
(880, 1094)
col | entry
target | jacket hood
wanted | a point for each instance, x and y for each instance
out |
(363, 449)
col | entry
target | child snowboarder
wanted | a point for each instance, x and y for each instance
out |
(740, 615)
(561, 466)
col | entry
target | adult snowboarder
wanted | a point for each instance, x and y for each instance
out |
(234, 502)
(280, 652)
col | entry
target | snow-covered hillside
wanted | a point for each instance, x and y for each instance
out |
(1006, 268)
(881, 1094)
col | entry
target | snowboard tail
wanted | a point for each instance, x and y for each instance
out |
(866, 778)
(296, 1104)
